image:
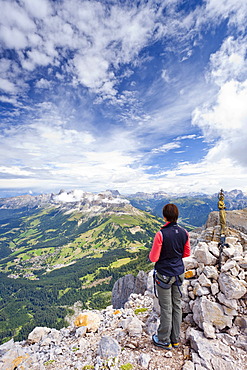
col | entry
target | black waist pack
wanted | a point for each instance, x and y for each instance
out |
(166, 285)
(161, 283)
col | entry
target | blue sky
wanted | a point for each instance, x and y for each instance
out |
(129, 95)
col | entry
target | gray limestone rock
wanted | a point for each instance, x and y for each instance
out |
(205, 311)
(6, 346)
(188, 365)
(211, 272)
(203, 280)
(127, 285)
(209, 351)
(122, 289)
(133, 326)
(80, 331)
(203, 255)
(231, 286)
(231, 303)
(144, 360)
(213, 248)
(38, 334)
(200, 290)
(241, 321)
(228, 265)
(190, 263)
(208, 330)
(14, 357)
(241, 342)
(108, 347)
(214, 288)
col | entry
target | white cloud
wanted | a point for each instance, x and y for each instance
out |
(13, 38)
(184, 137)
(229, 62)
(225, 120)
(14, 170)
(165, 76)
(207, 175)
(102, 38)
(5, 99)
(92, 70)
(236, 11)
(166, 147)
(14, 16)
(38, 8)
(7, 86)
(43, 84)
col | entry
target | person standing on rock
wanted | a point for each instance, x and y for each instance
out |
(171, 244)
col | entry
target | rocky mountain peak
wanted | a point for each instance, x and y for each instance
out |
(74, 199)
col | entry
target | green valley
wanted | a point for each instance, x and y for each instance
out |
(53, 256)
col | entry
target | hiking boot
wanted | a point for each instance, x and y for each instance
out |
(161, 344)
(175, 345)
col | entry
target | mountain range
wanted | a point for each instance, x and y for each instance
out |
(193, 208)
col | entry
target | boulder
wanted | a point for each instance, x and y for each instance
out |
(210, 352)
(90, 320)
(203, 255)
(241, 322)
(13, 358)
(5, 347)
(141, 283)
(208, 330)
(214, 288)
(188, 365)
(231, 303)
(204, 281)
(133, 326)
(190, 263)
(211, 272)
(213, 248)
(206, 311)
(108, 347)
(38, 334)
(122, 289)
(228, 265)
(200, 290)
(231, 286)
(229, 252)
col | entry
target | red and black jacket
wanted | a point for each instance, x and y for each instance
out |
(170, 245)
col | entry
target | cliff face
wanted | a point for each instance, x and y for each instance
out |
(213, 333)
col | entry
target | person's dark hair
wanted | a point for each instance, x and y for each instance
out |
(170, 212)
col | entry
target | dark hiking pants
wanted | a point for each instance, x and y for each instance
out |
(170, 311)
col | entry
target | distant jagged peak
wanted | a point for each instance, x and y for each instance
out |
(233, 194)
(159, 194)
(78, 195)
(26, 200)
(236, 193)
(69, 196)
(113, 192)
(64, 197)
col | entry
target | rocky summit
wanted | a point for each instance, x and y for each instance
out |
(214, 328)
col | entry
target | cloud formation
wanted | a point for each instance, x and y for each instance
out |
(103, 94)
